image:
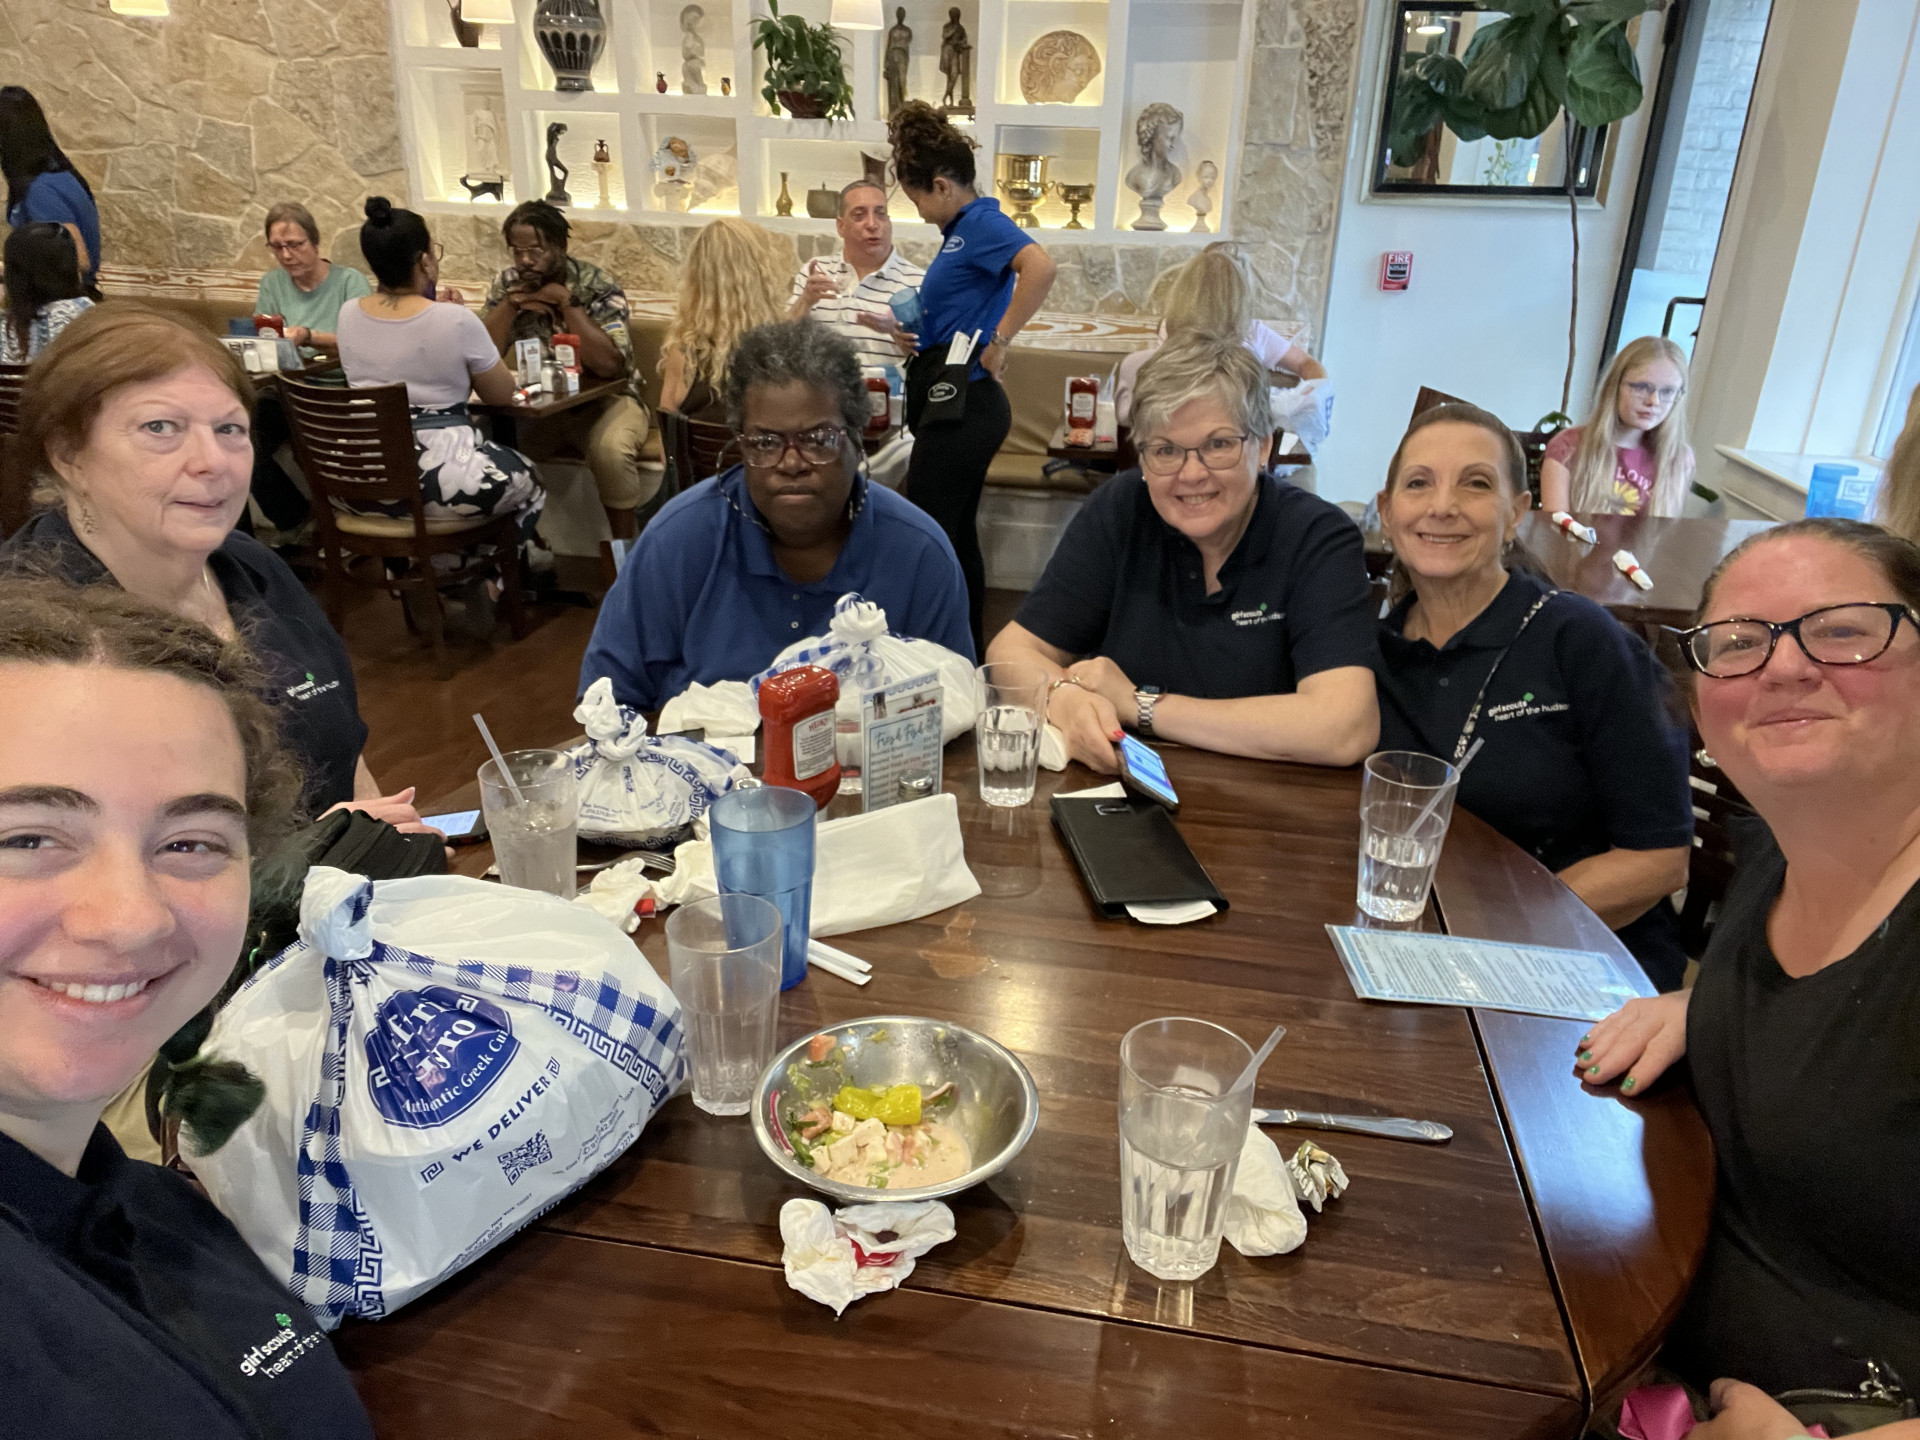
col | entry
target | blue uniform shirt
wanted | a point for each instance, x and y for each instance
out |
(59, 197)
(701, 597)
(970, 281)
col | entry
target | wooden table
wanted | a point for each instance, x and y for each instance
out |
(1490, 1287)
(507, 419)
(1678, 554)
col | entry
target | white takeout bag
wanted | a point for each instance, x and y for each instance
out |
(639, 789)
(863, 653)
(444, 1059)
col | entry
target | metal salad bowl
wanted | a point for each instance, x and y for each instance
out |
(996, 1103)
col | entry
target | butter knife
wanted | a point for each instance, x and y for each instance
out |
(1392, 1127)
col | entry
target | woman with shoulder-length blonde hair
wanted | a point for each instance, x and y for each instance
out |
(1631, 457)
(736, 278)
(1899, 505)
(1213, 293)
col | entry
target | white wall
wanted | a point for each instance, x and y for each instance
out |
(1486, 317)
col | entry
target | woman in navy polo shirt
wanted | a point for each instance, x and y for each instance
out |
(1214, 605)
(41, 181)
(989, 277)
(1585, 768)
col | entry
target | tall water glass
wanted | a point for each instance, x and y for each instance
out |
(1013, 714)
(1406, 802)
(763, 845)
(534, 837)
(725, 955)
(1182, 1123)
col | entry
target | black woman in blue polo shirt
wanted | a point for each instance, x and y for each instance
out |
(1199, 599)
(989, 277)
(1584, 767)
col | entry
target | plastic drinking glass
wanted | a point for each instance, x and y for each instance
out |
(1013, 715)
(534, 840)
(763, 845)
(1182, 1123)
(1406, 802)
(725, 956)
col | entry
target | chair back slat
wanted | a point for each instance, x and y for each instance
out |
(709, 443)
(354, 446)
(15, 500)
(13, 379)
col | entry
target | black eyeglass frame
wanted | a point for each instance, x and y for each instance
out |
(1776, 628)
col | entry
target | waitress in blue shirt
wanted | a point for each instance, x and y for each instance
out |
(989, 277)
(41, 181)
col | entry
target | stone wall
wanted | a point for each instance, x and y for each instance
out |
(188, 128)
(1710, 140)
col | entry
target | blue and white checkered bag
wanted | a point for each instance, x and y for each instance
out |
(444, 1060)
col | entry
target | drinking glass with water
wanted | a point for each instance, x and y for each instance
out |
(763, 844)
(725, 956)
(1013, 715)
(1186, 1097)
(534, 832)
(1406, 802)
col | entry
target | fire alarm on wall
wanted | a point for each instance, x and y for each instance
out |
(1396, 270)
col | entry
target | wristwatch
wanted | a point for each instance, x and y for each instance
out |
(1144, 699)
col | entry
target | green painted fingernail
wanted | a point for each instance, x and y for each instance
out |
(1628, 1083)
(1586, 1056)
(1593, 1070)
(1586, 1040)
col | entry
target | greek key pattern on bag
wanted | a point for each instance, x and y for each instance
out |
(623, 1057)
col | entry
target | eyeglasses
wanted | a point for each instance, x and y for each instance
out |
(1665, 394)
(288, 247)
(764, 449)
(1216, 452)
(1831, 635)
(439, 250)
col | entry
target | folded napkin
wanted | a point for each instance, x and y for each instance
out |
(889, 866)
(1053, 748)
(1263, 1215)
(837, 1258)
(724, 709)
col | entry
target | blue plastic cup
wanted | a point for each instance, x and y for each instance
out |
(1834, 490)
(763, 845)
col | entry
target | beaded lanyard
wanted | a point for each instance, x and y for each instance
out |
(1473, 715)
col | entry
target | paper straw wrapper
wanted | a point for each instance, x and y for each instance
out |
(1624, 562)
(838, 962)
(1571, 527)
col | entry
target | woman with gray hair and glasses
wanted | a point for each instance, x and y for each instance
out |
(736, 569)
(1198, 598)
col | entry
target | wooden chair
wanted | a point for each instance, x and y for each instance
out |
(1533, 443)
(15, 500)
(1717, 807)
(695, 447)
(356, 449)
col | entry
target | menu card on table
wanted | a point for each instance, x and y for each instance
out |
(1422, 969)
(900, 726)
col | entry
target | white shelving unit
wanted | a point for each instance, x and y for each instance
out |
(1192, 54)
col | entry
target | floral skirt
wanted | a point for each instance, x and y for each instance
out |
(464, 475)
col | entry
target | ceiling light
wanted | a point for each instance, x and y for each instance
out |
(856, 15)
(146, 9)
(1432, 27)
(487, 12)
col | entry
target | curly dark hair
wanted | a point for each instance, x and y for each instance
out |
(803, 351)
(545, 220)
(927, 146)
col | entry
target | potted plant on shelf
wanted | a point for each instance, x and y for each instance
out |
(806, 73)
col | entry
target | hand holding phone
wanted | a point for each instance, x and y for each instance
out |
(1142, 769)
(461, 827)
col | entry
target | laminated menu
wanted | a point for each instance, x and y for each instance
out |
(1422, 969)
(900, 739)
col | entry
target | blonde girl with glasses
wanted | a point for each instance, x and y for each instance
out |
(1631, 457)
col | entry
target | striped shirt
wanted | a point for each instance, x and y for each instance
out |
(837, 312)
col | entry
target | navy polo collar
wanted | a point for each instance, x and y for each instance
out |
(1255, 541)
(1494, 628)
(757, 545)
(51, 1202)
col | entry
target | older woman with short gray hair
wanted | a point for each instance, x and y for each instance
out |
(736, 569)
(1198, 598)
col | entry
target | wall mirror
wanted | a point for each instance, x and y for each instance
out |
(1415, 159)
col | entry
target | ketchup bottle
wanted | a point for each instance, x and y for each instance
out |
(796, 707)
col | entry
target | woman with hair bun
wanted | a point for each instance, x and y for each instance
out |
(440, 352)
(989, 278)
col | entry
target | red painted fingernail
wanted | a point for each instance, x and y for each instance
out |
(1116, 735)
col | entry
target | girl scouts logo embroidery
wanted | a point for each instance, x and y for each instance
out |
(1260, 616)
(941, 392)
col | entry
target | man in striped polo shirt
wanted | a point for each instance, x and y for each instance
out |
(837, 292)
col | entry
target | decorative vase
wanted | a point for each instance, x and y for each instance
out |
(784, 205)
(464, 30)
(802, 106)
(572, 33)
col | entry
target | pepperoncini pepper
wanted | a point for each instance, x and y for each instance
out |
(891, 1105)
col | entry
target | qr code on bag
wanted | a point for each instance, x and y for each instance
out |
(522, 1158)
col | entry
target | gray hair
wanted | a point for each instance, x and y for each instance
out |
(790, 351)
(1198, 365)
(865, 182)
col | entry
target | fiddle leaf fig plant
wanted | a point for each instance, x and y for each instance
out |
(803, 60)
(1542, 59)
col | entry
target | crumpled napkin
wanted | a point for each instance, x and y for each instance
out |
(1263, 1214)
(618, 890)
(837, 1258)
(724, 709)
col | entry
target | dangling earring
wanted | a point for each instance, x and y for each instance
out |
(88, 525)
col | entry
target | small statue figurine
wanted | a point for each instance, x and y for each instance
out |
(693, 52)
(1201, 200)
(894, 67)
(1156, 132)
(956, 63)
(660, 81)
(484, 176)
(726, 85)
(558, 172)
(674, 163)
(602, 166)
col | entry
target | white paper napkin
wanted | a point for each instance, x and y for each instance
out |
(837, 1258)
(1177, 912)
(1263, 1214)
(723, 708)
(890, 866)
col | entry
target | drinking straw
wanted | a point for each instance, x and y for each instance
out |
(1428, 808)
(501, 760)
(1259, 1056)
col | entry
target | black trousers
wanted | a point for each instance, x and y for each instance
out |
(280, 499)
(949, 469)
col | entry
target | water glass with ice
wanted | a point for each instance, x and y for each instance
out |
(763, 845)
(725, 958)
(1013, 715)
(1406, 802)
(533, 835)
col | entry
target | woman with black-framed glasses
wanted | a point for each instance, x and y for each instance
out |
(737, 568)
(1802, 1033)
